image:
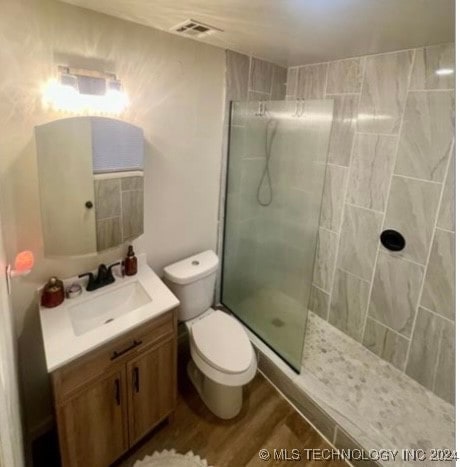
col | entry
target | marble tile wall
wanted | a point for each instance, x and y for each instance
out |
(250, 78)
(390, 165)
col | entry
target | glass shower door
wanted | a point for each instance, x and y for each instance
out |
(276, 168)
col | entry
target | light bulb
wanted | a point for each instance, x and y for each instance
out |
(65, 97)
(444, 71)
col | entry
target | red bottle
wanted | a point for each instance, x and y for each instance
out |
(130, 262)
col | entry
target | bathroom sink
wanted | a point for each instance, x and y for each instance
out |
(81, 324)
(107, 307)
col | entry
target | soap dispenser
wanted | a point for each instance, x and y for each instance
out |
(130, 262)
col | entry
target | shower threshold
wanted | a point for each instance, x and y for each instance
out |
(358, 401)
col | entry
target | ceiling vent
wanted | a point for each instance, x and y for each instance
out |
(194, 28)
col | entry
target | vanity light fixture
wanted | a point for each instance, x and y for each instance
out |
(444, 71)
(85, 92)
(23, 264)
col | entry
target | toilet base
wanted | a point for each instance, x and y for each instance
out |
(223, 401)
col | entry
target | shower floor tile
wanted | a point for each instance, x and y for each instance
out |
(377, 405)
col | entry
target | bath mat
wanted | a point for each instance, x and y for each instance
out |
(172, 459)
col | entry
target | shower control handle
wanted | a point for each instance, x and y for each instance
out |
(392, 240)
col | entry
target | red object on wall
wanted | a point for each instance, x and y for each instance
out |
(24, 261)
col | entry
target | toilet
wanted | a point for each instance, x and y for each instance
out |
(223, 359)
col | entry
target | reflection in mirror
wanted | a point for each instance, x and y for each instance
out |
(90, 172)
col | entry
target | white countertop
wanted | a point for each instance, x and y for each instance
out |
(62, 345)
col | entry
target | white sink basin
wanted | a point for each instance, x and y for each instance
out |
(105, 308)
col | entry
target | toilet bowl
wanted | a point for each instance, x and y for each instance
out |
(222, 357)
(223, 361)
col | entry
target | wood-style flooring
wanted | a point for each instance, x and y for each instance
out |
(266, 421)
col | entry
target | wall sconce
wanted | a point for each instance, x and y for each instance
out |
(85, 91)
(445, 71)
(23, 264)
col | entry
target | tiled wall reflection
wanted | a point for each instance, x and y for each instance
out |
(247, 79)
(119, 210)
(390, 165)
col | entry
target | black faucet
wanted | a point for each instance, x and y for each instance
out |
(104, 277)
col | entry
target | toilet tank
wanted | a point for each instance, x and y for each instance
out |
(192, 281)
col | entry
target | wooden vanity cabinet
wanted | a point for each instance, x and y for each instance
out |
(110, 398)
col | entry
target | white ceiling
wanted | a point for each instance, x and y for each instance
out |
(294, 32)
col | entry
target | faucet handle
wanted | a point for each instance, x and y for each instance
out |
(110, 273)
(91, 285)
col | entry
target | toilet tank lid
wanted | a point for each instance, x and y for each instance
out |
(192, 268)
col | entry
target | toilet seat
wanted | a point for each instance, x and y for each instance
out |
(221, 349)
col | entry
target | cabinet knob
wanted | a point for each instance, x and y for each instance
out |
(89, 204)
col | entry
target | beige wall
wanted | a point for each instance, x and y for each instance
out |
(11, 449)
(176, 90)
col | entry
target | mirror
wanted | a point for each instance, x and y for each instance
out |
(91, 184)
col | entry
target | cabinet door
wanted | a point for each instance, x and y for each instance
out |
(92, 424)
(65, 174)
(152, 392)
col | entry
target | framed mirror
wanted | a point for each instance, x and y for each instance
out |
(91, 183)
